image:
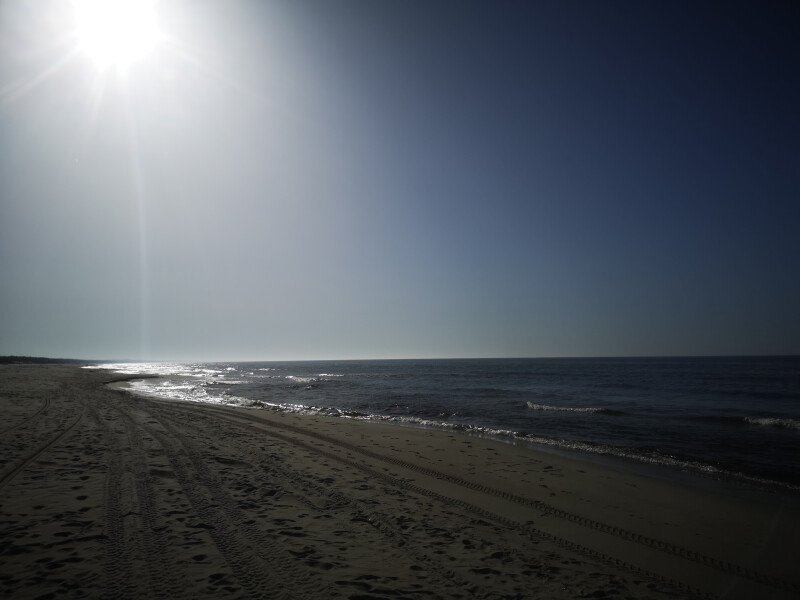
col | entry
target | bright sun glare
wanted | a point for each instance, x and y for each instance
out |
(116, 33)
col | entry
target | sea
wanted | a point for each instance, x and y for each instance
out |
(726, 418)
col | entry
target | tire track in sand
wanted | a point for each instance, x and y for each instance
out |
(535, 534)
(627, 535)
(30, 418)
(118, 569)
(9, 475)
(303, 483)
(161, 581)
(256, 560)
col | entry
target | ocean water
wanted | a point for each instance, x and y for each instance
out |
(732, 417)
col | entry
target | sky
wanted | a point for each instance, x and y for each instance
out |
(372, 179)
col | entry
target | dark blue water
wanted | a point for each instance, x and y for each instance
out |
(724, 417)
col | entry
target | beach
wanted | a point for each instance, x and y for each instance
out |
(107, 494)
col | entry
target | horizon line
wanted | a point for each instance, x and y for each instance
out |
(21, 358)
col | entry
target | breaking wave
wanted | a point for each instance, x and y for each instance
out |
(695, 428)
(739, 421)
(515, 437)
(783, 423)
(575, 409)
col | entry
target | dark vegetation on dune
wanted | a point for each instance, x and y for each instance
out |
(41, 360)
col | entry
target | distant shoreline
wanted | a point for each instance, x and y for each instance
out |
(42, 360)
(20, 359)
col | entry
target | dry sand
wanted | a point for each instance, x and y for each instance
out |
(104, 494)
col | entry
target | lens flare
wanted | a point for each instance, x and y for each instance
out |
(116, 33)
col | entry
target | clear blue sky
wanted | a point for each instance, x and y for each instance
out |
(341, 179)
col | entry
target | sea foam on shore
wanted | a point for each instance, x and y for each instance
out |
(732, 417)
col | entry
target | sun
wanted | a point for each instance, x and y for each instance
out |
(116, 33)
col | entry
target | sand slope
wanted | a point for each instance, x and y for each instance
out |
(107, 495)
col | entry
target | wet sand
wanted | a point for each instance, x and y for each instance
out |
(104, 494)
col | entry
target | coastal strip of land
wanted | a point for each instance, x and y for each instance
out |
(107, 494)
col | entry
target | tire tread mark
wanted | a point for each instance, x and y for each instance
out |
(534, 533)
(666, 547)
(432, 564)
(29, 419)
(7, 477)
(153, 546)
(240, 556)
(118, 562)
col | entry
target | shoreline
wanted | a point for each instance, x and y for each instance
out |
(685, 471)
(202, 501)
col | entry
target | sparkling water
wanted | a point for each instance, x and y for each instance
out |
(735, 417)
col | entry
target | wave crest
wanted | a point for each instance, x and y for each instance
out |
(783, 423)
(574, 409)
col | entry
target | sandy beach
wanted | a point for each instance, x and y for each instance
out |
(106, 494)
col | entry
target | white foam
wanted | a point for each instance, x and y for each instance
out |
(199, 383)
(300, 379)
(533, 406)
(184, 391)
(576, 409)
(783, 423)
